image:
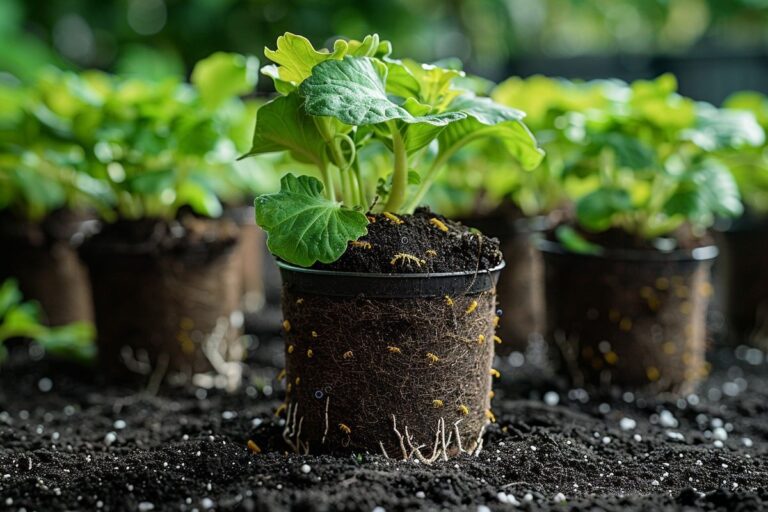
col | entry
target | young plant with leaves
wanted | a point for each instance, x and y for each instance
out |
(650, 161)
(340, 108)
(20, 319)
(750, 165)
(143, 148)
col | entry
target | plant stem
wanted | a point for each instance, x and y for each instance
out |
(364, 201)
(429, 178)
(400, 174)
(330, 190)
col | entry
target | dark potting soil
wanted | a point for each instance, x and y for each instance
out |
(187, 233)
(419, 243)
(67, 442)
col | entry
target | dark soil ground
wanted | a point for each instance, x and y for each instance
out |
(68, 442)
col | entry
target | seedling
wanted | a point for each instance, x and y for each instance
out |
(377, 129)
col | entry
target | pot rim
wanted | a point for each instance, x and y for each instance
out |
(703, 253)
(387, 286)
(417, 275)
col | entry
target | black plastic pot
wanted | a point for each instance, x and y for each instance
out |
(166, 302)
(388, 362)
(744, 276)
(43, 258)
(633, 319)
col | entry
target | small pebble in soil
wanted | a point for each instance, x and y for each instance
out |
(627, 424)
(746, 442)
(420, 495)
(667, 419)
(483, 508)
(305, 468)
(551, 398)
(146, 506)
(45, 384)
(559, 498)
(119, 425)
(720, 434)
(110, 438)
(637, 437)
(207, 503)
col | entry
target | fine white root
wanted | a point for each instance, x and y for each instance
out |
(446, 441)
(292, 430)
(325, 432)
(213, 348)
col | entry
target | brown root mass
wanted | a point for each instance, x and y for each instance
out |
(632, 324)
(43, 258)
(409, 378)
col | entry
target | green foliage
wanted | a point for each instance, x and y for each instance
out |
(305, 227)
(19, 319)
(130, 147)
(342, 110)
(750, 165)
(648, 160)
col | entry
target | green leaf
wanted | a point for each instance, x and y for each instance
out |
(353, 91)
(10, 296)
(282, 125)
(486, 119)
(706, 190)
(717, 129)
(574, 242)
(595, 211)
(303, 226)
(414, 178)
(74, 341)
(223, 76)
(199, 197)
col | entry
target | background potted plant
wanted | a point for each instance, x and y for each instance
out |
(627, 282)
(744, 243)
(45, 200)
(389, 314)
(165, 268)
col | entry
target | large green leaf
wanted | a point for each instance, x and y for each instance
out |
(486, 119)
(223, 76)
(282, 125)
(303, 226)
(595, 211)
(353, 90)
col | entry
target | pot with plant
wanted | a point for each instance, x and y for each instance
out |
(389, 309)
(165, 268)
(744, 242)
(628, 281)
(45, 205)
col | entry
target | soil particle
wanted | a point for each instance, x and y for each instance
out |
(419, 243)
(187, 448)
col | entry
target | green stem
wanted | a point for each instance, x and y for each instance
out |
(364, 201)
(330, 190)
(400, 174)
(429, 178)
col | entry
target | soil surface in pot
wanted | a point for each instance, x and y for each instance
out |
(68, 442)
(423, 242)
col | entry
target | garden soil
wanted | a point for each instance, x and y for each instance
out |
(69, 442)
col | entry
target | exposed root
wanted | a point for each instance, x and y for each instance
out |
(213, 348)
(445, 442)
(327, 423)
(292, 431)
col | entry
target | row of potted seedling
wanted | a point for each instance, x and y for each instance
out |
(390, 310)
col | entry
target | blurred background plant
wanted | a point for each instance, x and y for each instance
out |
(695, 39)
